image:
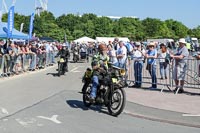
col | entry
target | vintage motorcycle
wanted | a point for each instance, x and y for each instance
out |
(75, 55)
(110, 91)
(61, 66)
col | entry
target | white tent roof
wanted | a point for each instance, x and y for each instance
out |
(84, 39)
(107, 39)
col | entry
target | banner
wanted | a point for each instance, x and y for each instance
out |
(65, 38)
(1, 14)
(21, 27)
(31, 25)
(10, 22)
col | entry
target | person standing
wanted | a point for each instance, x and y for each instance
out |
(138, 57)
(179, 71)
(33, 53)
(151, 56)
(116, 44)
(163, 65)
(122, 54)
(198, 58)
(112, 55)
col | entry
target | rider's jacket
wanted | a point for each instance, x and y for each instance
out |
(100, 60)
(63, 53)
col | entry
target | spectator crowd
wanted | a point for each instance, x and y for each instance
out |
(19, 57)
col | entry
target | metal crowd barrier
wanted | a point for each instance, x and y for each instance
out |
(192, 76)
(1, 65)
(27, 62)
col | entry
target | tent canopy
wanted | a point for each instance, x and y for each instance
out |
(107, 39)
(15, 33)
(84, 39)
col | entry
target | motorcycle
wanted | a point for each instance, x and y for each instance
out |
(61, 67)
(110, 92)
(75, 56)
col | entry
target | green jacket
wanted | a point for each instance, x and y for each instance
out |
(101, 61)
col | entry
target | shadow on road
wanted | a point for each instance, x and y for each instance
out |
(79, 62)
(53, 74)
(191, 93)
(79, 105)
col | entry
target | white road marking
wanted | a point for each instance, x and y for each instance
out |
(22, 122)
(4, 111)
(53, 118)
(25, 123)
(126, 112)
(40, 125)
(5, 119)
(191, 115)
(74, 69)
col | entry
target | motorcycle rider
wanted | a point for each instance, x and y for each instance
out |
(99, 66)
(65, 54)
(76, 52)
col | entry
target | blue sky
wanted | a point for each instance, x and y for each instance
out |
(186, 11)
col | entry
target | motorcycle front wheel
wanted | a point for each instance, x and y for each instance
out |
(117, 102)
(86, 96)
(60, 69)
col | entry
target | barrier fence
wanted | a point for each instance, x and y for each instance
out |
(1, 65)
(139, 72)
(10, 65)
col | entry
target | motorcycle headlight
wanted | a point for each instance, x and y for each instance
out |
(122, 72)
(62, 60)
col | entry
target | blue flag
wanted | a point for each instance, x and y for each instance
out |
(31, 25)
(10, 22)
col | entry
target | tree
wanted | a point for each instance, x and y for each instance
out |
(103, 26)
(77, 34)
(178, 30)
(68, 22)
(75, 26)
(196, 32)
(152, 27)
(18, 19)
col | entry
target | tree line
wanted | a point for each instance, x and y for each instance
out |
(76, 26)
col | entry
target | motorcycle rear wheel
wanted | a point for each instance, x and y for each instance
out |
(117, 102)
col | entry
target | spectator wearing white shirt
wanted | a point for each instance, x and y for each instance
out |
(138, 57)
(121, 54)
(112, 55)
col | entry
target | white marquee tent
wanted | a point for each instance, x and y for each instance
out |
(84, 39)
(107, 39)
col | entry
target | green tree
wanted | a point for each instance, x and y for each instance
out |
(153, 28)
(196, 32)
(68, 22)
(103, 26)
(18, 19)
(177, 29)
(78, 33)
(75, 26)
